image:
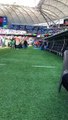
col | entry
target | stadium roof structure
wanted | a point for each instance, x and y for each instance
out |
(47, 11)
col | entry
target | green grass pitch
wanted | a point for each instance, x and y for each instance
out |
(28, 92)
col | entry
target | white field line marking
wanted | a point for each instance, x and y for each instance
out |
(42, 66)
(2, 64)
(11, 59)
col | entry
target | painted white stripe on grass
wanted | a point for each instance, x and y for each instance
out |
(42, 66)
(2, 64)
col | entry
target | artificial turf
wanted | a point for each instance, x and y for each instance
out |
(28, 92)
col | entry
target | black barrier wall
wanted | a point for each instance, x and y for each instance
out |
(64, 75)
(58, 43)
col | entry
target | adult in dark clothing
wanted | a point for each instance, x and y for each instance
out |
(65, 81)
(25, 44)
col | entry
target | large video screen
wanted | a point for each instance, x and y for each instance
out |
(3, 21)
(66, 22)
